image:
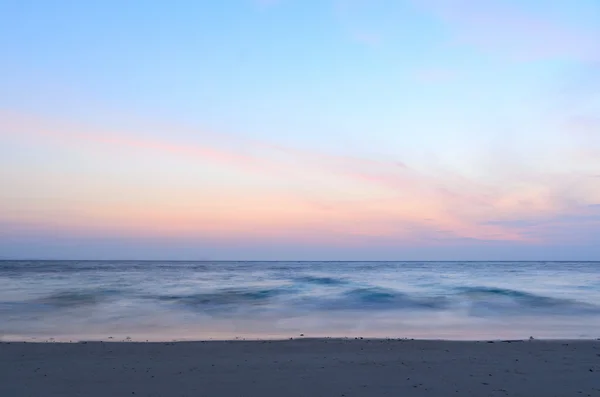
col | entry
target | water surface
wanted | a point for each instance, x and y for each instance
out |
(74, 300)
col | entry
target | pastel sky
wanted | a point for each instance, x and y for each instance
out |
(300, 129)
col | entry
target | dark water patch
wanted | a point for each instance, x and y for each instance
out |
(65, 299)
(321, 280)
(375, 295)
(490, 299)
(375, 298)
(224, 297)
(17, 307)
(57, 301)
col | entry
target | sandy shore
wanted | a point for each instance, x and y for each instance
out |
(301, 368)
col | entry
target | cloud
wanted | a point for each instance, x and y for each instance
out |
(577, 224)
(334, 195)
(249, 155)
(18, 124)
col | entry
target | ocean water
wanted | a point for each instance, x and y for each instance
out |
(120, 300)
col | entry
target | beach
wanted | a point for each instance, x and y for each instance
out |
(302, 367)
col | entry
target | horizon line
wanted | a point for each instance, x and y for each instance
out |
(292, 260)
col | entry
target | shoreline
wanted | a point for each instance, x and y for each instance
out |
(152, 338)
(302, 366)
(290, 339)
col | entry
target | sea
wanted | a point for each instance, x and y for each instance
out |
(167, 301)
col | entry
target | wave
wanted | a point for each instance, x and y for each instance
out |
(60, 300)
(510, 300)
(476, 301)
(76, 298)
(230, 296)
(479, 301)
(375, 295)
(354, 299)
(321, 280)
(375, 298)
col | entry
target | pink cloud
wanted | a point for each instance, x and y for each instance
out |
(401, 199)
(12, 123)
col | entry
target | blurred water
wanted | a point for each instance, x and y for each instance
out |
(68, 300)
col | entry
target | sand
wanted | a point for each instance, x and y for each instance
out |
(305, 367)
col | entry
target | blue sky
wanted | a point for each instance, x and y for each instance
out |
(384, 129)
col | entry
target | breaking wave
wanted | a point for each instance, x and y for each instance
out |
(381, 297)
(321, 280)
(510, 300)
(226, 297)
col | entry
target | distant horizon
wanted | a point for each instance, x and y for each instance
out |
(295, 260)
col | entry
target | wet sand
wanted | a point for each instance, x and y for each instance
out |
(304, 367)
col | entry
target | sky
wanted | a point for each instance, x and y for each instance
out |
(300, 129)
